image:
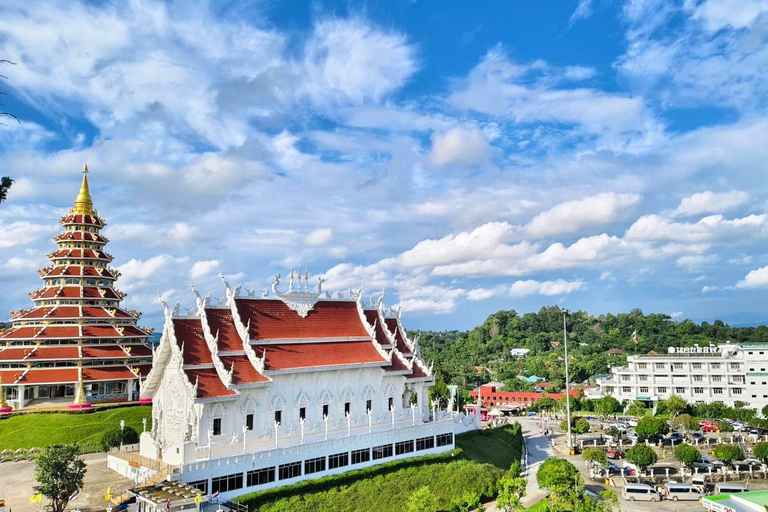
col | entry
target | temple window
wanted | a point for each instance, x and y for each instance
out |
(303, 413)
(368, 405)
(217, 426)
(325, 410)
(249, 421)
(346, 408)
(391, 403)
(278, 416)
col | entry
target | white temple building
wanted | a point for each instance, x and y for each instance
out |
(263, 391)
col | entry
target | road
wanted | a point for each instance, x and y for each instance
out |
(538, 450)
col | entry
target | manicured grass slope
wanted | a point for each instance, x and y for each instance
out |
(37, 430)
(387, 487)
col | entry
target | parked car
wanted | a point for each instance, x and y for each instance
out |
(696, 435)
(704, 466)
(739, 427)
(615, 454)
(709, 427)
(677, 437)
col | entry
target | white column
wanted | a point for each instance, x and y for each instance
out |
(424, 396)
(20, 393)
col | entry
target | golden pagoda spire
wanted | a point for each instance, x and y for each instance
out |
(83, 202)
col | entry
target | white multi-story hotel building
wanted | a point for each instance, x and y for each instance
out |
(727, 373)
(262, 391)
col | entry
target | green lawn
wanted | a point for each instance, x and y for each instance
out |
(480, 459)
(538, 507)
(38, 430)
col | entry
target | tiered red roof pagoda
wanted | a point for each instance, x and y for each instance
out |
(76, 341)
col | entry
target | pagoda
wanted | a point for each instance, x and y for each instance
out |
(76, 345)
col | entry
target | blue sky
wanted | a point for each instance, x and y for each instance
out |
(600, 155)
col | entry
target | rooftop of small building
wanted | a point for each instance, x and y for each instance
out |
(161, 493)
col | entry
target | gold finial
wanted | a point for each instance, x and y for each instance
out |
(83, 202)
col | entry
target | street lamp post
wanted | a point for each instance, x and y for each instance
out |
(567, 384)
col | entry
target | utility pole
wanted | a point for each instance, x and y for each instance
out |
(567, 386)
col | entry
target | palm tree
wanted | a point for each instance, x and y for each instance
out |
(5, 184)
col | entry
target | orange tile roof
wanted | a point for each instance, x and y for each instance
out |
(50, 376)
(244, 372)
(209, 384)
(306, 355)
(21, 333)
(189, 333)
(372, 315)
(220, 321)
(54, 353)
(272, 319)
(107, 373)
(398, 365)
(393, 326)
(100, 331)
(105, 351)
(60, 331)
(139, 350)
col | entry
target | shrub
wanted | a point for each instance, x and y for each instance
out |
(685, 422)
(687, 454)
(558, 475)
(422, 500)
(642, 456)
(595, 454)
(118, 436)
(729, 452)
(650, 427)
(761, 452)
(466, 502)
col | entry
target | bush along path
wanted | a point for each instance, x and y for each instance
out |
(480, 459)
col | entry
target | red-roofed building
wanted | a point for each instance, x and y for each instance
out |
(76, 344)
(288, 369)
(493, 396)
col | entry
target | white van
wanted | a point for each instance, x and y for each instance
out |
(699, 482)
(640, 492)
(682, 492)
(729, 488)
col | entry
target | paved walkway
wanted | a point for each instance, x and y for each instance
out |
(538, 449)
(18, 478)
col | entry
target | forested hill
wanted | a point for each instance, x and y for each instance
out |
(456, 354)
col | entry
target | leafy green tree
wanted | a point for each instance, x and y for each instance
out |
(637, 408)
(686, 423)
(423, 500)
(642, 456)
(607, 405)
(595, 454)
(675, 405)
(581, 426)
(558, 475)
(545, 403)
(466, 502)
(119, 436)
(724, 427)
(761, 451)
(651, 428)
(687, 454)
(715, 410)
(511, 489)
(729, 452)
(439, 392)
(59, 472)
(764, 410)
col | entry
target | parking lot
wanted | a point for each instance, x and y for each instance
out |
(750, 473)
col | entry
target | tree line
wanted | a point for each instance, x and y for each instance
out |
(457, 354)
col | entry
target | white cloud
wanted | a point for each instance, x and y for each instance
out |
(712, 229)
(707, 289)
(486, 293)
(23, 232)
(755, 279)
(676, 314)
(744, 259)
(349, 60)
(710, 202)
(583, 11)
(696, 261)
(203, 268)
(521, 289)
(459, 147)
(699, 279)
(484, 241)
(320, 236)
(574, 215)
(136, 273)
